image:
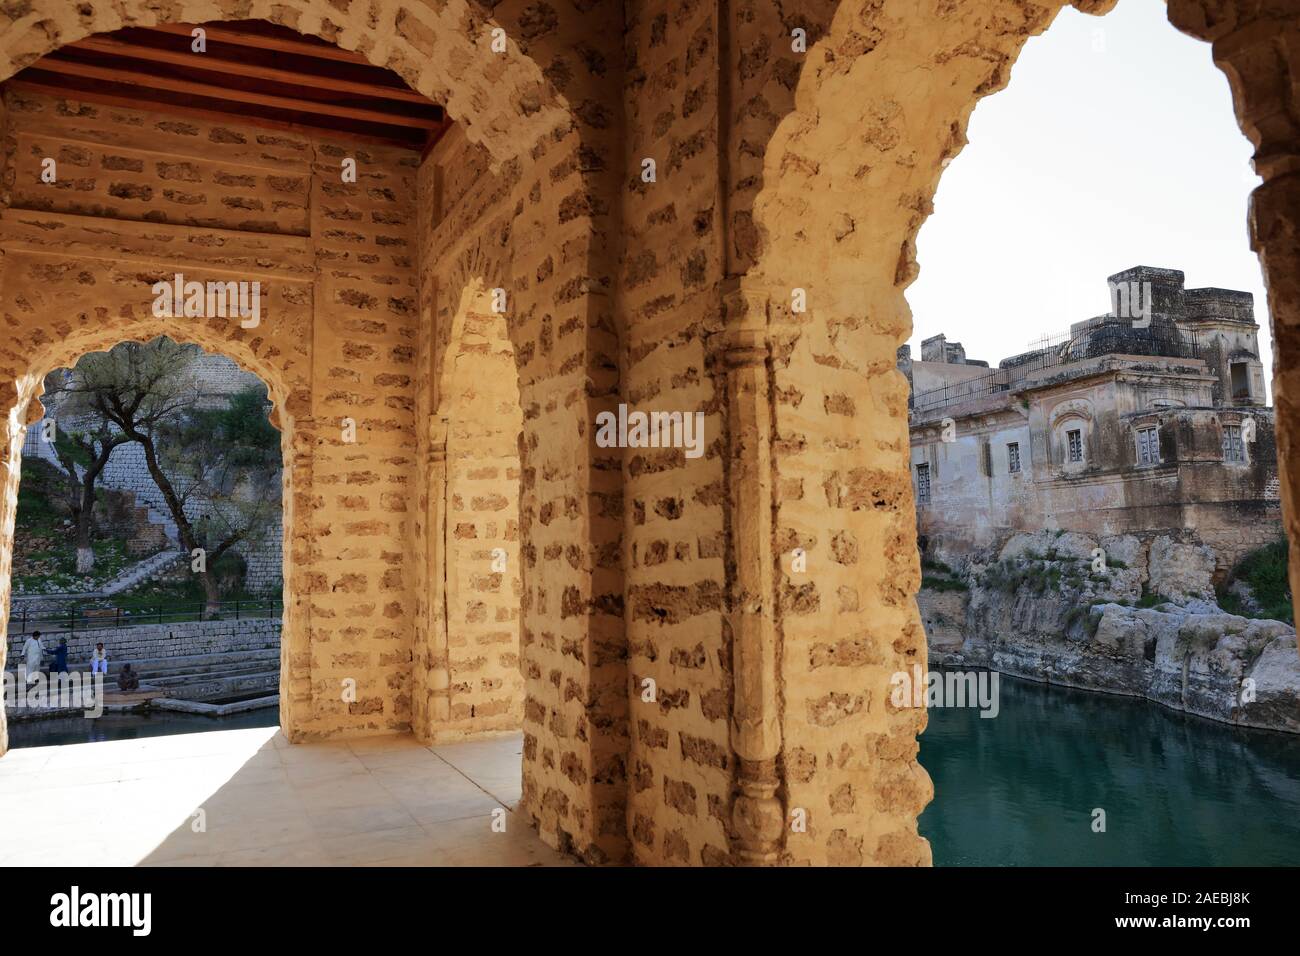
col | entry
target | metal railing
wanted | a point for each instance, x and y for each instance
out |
(1118, 337)
(98, 615)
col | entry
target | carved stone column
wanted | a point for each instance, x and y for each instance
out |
(758, 816)
(437, 661)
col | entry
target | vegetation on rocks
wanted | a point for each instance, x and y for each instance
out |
(45, 546)
(1267, 591)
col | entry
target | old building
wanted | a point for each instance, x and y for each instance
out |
(1151, 417)
(667, 206)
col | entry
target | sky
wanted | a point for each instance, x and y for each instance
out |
(1114, 145)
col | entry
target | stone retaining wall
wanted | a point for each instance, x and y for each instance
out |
(152, 641)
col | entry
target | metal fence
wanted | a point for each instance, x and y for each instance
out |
(1118, 337)
(98, 615)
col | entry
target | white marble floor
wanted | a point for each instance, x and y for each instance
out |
(249, 797)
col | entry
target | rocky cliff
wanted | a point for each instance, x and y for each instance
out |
(1123, 614)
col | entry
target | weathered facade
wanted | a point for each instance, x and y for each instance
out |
(684, 689)
(1130, 423)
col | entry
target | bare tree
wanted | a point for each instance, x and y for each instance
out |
(214, 457)
(83, 443)
(227, 460)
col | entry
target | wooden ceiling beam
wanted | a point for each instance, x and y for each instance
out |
(208, 91)
(225, 34)
(200, 113)
(215, 64)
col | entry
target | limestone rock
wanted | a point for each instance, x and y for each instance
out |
(1123, 549)
(1181, 570)
(1185, 653)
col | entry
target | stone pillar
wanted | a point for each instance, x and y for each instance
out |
(297, 692)
(433, 664)
(758, 814)
(1257, 45)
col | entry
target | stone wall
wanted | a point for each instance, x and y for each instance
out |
(539, 227)
(158, 641)
(216, 378)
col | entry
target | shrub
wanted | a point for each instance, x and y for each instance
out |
(1151, 599)
(942, 584)
(1265, 572)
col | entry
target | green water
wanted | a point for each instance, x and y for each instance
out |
(58, 731)
(1019, 789)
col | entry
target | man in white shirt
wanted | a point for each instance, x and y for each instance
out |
(99, 660)
(32, 654)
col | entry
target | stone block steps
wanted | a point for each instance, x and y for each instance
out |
(207, 677)
(142, 571)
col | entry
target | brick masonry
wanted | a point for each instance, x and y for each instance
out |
(685, 689)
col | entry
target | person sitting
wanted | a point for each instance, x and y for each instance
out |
(99, 660)
(128, 679)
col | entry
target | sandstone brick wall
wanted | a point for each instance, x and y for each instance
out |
(483, 578)
(681, 765)
(530, 235)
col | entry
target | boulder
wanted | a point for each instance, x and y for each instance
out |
(1181, 570)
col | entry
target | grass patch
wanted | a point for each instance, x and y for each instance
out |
(1083, 614)
(1150, 599)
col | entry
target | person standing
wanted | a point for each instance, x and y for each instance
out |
(61, 657)
(32, 654)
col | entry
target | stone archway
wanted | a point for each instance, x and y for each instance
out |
(846, 181)
(57, 308)
(356, 310)
(469, 633)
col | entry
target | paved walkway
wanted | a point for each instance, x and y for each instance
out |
(387, 801)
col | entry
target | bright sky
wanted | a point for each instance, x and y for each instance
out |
(1114, 145)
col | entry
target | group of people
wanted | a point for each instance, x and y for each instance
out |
(34, 656)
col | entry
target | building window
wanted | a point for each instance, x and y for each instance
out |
(923, 484)
(1148, 446)
(1233, 448)
(1240, 380)
(1013, 457)
(1075, 439)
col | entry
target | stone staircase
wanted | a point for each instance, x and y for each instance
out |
(209, 677)
(142, 571)
(151, 501)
